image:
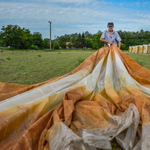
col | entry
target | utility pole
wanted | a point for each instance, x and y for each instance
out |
(50, 34)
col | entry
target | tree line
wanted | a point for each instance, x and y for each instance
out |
(21, 38)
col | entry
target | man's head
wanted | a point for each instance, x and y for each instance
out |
(110, 26)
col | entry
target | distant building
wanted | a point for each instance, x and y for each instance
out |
(69, 45)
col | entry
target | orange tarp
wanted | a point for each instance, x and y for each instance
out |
(105, 97)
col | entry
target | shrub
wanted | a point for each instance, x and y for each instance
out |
(35, 47)
(12, 48)
(56, 45)
(124, 47)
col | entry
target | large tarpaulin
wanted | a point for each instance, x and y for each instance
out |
(105, 97)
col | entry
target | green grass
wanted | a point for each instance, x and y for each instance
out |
(125, 51)
(34, 66)
(29, 67)
(142, 59)
(72, 50)
(48, 50)
(4, 48)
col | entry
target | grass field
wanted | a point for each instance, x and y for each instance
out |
(142, 59)
(29, 67)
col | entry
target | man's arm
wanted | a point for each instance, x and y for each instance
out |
(103, 40)
(118, 39)
(119, 44)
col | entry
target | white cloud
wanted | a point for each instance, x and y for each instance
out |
(134, 4)
(121, 4)
(72, 18)
(70, 1)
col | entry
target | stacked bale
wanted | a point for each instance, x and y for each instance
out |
(141, 48)
(130, 49)
(148, 49)
(136, 49)
(145, 49)
(133, 49)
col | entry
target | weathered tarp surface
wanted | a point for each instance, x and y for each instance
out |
(105, 97)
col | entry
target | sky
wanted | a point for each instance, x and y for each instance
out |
(75, 16)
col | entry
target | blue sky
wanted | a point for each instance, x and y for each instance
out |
(75, 16)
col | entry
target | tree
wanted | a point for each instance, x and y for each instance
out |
(56, 45)
(128, 40)
(69, 45)
(82, 40)
(27, 39)
(96, 41)
(12, 35)
(87, 34)
(123, 47)
(46, 43)
(62, 40)
(1, 40)
(16, 37)
(99, 31)
(37, 39)
(79, 41)
(76, 43)
(74, 37)
(88, 42)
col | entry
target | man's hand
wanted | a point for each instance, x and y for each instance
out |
(110, 43)
(103, 40)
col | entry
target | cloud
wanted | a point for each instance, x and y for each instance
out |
(56, 13)
(121, 4)
(135, 4)
(67, 18)
(69, 1)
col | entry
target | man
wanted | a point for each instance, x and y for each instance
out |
(110, 36)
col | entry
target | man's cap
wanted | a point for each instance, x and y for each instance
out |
(110, 24)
